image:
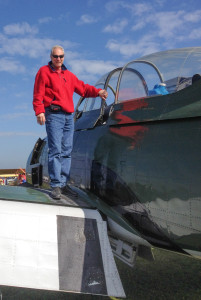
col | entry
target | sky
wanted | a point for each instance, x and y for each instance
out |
(97, 36)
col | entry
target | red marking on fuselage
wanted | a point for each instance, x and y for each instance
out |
(134, 133)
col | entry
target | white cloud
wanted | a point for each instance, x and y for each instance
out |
(31, 47)
(167, 23)
(163, 29)
(87, 19)
(139, 9)
(10, 65)
(174, 24)
(195, 34)
(92, 66)
(117, 27)
(91, 70)
(113, 6)
(160, 3)
(193, 17)
(136, 9)
(139, 25)
(130, 48)
(45, 20)
(19, 29)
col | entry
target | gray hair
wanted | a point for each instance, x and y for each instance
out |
(56, 46)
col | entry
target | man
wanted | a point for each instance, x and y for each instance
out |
(53, 105)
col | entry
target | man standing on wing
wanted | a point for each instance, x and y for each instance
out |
(53, 105)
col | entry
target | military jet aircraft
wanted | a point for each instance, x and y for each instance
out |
(136, 159)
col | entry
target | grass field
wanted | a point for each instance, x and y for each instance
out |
(169, 277)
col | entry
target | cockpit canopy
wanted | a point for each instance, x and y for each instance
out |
(159, 73)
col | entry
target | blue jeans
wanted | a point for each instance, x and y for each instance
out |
(60, 129)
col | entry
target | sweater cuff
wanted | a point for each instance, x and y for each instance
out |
(38, 112)
(98, 92)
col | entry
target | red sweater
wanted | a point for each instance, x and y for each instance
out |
(56, 88)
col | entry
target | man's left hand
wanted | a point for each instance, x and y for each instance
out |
(103, 94)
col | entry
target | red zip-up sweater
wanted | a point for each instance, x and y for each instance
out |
(56, 88)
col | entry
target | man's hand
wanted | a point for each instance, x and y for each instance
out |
(41, 119)
(103, 94)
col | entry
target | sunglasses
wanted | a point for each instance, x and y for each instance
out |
(57, 56)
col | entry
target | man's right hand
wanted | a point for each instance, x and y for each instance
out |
(41, 119)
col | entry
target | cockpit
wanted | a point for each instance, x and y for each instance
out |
(160, 73)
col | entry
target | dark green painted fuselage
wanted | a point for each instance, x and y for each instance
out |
(145, 162)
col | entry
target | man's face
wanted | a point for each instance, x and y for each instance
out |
(57, 61)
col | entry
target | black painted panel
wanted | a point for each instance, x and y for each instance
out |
(80, 260)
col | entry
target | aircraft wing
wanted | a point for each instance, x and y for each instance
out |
(48, 246)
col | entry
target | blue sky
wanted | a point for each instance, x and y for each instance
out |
(97, 35)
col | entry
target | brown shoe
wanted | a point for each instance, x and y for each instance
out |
(66, 190)
(56, 193)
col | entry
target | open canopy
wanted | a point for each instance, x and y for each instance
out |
(174, 68)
